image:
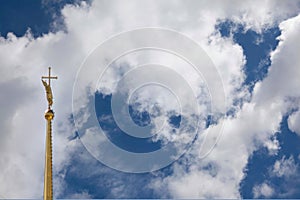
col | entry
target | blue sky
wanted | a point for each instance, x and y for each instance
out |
(258, 152)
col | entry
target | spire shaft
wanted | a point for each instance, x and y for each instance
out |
(49, 115)
(48, 185)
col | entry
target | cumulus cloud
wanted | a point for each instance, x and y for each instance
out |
(254, 124)
(23, 60)
(277, 86)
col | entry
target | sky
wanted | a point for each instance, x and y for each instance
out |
(154, 99)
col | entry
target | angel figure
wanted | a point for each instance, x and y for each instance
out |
(48, 93)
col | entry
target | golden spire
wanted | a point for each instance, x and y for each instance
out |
(49, 115)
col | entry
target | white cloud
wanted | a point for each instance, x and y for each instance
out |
(284, 167)
(294, 122)
(23, 60)
(263, 190)
(282, 81)
(273, 146)
(82, 195)
(253, 125)
(239, 139)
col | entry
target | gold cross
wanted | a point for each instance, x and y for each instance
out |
(49, 77)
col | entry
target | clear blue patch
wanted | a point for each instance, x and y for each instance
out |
(175, 120)
(122, 139)
(115, 134)
(139, 118)
(17, 16)
(256, 47)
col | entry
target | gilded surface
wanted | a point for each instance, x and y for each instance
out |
(49, 115)
(48, 93)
